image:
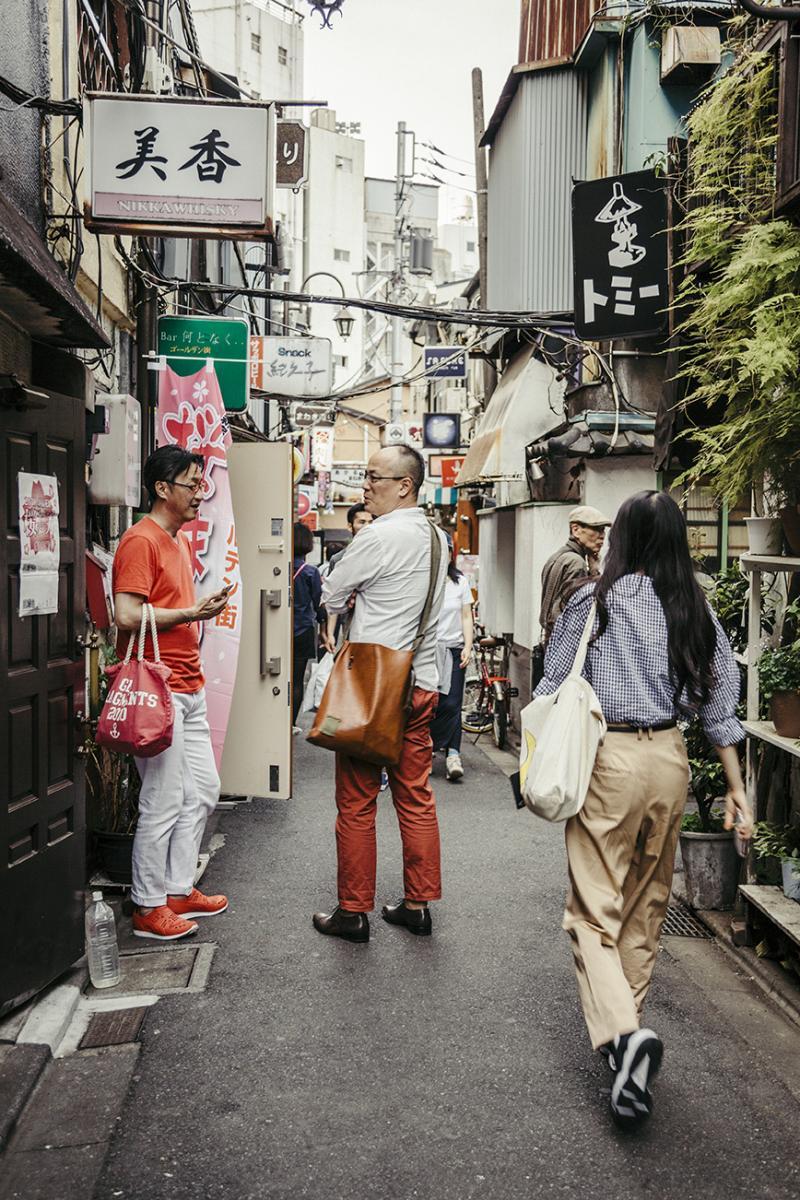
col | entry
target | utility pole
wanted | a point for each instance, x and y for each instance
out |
(481, 183)
(396, 401)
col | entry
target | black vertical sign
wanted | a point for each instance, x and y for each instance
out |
(619, 251)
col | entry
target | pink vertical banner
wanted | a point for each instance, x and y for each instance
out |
(191, 414)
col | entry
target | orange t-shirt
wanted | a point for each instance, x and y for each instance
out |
(151, 563)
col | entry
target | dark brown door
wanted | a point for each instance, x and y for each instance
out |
(42, 822)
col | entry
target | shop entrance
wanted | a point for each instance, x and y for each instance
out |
(42, 821)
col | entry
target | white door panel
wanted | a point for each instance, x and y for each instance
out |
(257, 760)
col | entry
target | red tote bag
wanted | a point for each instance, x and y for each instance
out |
(138, 716)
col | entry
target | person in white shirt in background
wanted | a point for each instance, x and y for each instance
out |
(384, 575)
(453, 648)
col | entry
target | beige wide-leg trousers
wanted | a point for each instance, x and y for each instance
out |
(621, 853)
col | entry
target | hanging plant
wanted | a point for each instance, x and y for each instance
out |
(740, 300)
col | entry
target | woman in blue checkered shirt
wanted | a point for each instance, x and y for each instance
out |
(657, 655)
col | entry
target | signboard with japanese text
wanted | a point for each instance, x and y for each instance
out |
(291, 366)
(450, 468)
(222, 341)
(173, 164)
(291, 169)
(620, 256)
(445, 362)
(307, 416)
(39, 544)
(191, 414)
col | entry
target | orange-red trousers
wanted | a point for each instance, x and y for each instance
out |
(357, 786)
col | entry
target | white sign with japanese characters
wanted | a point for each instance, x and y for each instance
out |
(291, 366)
(166, 160)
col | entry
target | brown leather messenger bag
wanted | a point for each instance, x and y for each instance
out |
(367, 699)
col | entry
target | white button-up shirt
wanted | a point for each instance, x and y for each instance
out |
(388, 567)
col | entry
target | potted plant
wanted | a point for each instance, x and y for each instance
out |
(782, 843)
(710, 863)
(779, 678)
(112, 794)
(112, 791)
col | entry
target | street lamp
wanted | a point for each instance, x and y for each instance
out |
(344, 319)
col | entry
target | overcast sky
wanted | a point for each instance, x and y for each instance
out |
(386, 61)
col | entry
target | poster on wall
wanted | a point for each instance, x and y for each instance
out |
(191, 414)
(39, 545)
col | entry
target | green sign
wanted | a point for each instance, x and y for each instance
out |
(186, 342)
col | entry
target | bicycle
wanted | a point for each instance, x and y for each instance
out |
(487, 703)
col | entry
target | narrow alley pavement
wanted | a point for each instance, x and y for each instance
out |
(440, 1069)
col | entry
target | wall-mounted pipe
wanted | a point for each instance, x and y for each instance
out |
(768, 12)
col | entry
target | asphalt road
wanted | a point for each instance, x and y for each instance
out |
(435, 1069)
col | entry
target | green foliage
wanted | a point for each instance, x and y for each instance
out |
(779, 671)
(777, 841)
(741, 316)
(696, 823)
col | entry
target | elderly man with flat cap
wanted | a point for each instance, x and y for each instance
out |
(578, 559)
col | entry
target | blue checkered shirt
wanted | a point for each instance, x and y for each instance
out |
(628, 667)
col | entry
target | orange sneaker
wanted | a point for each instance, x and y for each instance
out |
(197, 905)
(162, 924)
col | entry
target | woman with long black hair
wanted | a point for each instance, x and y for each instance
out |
(657, 655)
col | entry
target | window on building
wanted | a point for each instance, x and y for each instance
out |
(341, 255)
(255, 43)
(470, 247)
(788, 153)
(283, 55)
(340, 360)
(344, 164)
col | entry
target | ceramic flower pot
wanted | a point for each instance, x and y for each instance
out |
(790, 870)
(785, 713)
(764, 535)
(790, 519)
(711, 869)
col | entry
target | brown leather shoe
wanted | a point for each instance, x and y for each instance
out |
(353, 927)
(416, 920)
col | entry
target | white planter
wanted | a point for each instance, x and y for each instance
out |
(764, 535)
(791, 878)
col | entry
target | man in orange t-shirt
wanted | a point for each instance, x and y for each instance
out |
(180, 786)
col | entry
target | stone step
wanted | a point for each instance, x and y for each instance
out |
(20, 1068)
(61, 1137)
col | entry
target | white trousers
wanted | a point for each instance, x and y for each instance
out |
(180, 790)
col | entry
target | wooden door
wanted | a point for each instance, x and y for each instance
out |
(42, 821)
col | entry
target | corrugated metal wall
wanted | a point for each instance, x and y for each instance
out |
(539, 148)
(551, 29)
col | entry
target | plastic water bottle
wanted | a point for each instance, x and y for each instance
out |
(101, 943)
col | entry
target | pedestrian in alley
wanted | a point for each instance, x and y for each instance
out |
(357, 519)
(180, 786)
(453, 650)
(578, 558)
(306, 594)
(657, 655)
(386, 572)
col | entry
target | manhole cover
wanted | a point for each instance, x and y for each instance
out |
(679, 922)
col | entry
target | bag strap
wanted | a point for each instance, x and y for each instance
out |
(436, 558)
(132, 638)
(583, 644)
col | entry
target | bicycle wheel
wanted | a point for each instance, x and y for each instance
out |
(500, 725)
(476, 715)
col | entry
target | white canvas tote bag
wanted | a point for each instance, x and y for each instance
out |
(560, 736)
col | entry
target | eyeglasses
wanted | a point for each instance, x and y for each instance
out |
(194, 488)
(371, 477)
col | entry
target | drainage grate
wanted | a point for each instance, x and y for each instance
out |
(679, 922)
(113, 1028)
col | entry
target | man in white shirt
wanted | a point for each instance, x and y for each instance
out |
(384, 575)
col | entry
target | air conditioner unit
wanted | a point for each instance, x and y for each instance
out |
(393, 434)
